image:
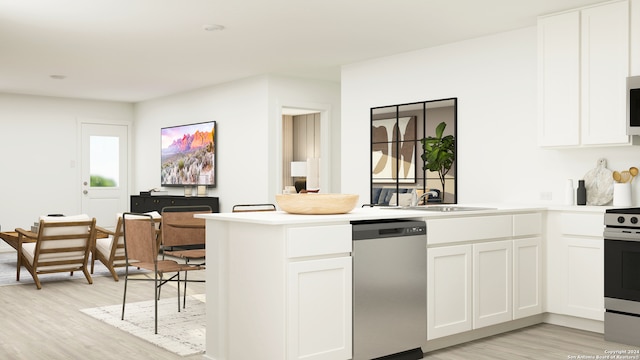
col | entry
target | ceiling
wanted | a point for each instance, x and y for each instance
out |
(134, 50)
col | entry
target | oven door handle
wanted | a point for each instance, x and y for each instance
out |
(619, 234)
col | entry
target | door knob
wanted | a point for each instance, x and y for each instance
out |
(85, 192)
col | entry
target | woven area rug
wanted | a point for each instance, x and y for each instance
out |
(182, 333)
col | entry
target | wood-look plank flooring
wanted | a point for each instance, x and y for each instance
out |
(47, 324)
(543, 341)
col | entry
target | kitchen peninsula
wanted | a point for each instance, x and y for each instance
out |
(279, 286)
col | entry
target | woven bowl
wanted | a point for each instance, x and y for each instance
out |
(317, 204)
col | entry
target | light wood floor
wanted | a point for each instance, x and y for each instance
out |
(543, 341)
(47, 324)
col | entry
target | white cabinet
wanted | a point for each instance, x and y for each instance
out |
(449, 289)
(585, 277)
(492, 283)
(319, 299)
(278, 290)
(494, 276)
(527, 277)
(575, 265)
(527, 265)
(319, 293)
(583, 60)
(559, 79)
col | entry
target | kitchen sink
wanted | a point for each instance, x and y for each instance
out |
(443, 208)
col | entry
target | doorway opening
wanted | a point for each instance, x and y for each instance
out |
(301, 149)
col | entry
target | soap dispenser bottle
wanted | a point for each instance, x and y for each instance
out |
(581, 193)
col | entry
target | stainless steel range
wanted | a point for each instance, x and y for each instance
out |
(622, 275)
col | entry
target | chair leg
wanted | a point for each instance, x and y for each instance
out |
(184, 298)
(179, 288)
(124, 298)
(86, 274)
(157, 295)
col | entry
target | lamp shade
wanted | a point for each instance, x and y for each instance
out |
(298, 168)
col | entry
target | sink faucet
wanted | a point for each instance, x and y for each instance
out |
(415, 200)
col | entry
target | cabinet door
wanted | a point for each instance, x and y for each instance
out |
(605, 67)
(559, 79)
(319, 309)
(492, 283)
(527, 275)
(449, 286)
(585, 277)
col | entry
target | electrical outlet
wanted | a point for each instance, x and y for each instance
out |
(546, 195)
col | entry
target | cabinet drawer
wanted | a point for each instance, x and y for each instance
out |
(318, 240)
(582, 224)
(441, 231)
(527, 224)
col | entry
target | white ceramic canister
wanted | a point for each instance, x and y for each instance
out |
(622, 194)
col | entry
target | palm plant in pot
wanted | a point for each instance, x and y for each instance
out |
(439, 153)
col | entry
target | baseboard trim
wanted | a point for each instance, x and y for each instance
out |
(574, 322)
(549, 318)
(476, 334)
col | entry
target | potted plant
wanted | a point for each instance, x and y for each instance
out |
(439, 153)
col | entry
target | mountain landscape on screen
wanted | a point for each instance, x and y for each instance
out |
(188, 155)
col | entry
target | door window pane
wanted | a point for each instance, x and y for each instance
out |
(103, 161)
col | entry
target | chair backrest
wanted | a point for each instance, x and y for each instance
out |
(117, 244)
(64, 240)
(253, 207)
(140, 238)
(180, 228)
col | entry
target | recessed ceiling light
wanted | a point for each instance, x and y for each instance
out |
(58, 77)
(212, 27)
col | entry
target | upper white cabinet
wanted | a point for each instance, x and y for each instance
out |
(583, 62)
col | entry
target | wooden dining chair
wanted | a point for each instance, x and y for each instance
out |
(141, 250)
(62, 244)
(110, 250)
(183, 236)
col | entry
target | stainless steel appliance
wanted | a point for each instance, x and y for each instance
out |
(622, 275)
(633, 105)
(389, 289)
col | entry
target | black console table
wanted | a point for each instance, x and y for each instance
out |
(141, 204)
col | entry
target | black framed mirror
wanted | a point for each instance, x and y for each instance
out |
(398, 137)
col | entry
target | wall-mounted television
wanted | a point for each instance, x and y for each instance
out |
(189, 155)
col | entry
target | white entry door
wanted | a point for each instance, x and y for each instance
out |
(104, 175)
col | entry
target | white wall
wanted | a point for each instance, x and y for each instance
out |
(248, 116)
(495, 81)
(39, 160)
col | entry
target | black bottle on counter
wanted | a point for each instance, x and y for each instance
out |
(581, 195)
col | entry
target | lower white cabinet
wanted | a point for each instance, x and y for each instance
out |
(449, 284)
(585, 278)
(575, 264)
(485, 281)
(492, 283)
(319, 309)
(527, 277)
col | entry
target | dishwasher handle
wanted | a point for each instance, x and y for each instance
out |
(387, 229)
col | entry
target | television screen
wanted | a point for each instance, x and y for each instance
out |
(189, 155)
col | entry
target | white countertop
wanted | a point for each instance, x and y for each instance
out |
(283, 218)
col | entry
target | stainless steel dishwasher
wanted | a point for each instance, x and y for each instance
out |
(389, 289)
